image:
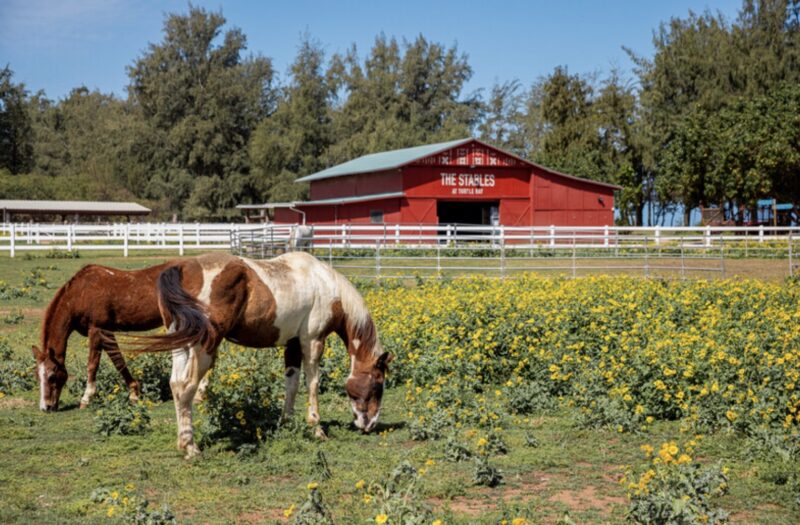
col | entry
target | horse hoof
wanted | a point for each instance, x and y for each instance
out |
(83, 404)
(192, 451)
(320, 434)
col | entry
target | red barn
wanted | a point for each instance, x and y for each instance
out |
(464, 181)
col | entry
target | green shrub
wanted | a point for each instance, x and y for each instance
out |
(243, 400)
(313, 511)
(118, 415)
(15, 374)
(486, 474)
(127, 504)
(397, 498)
(675, 490)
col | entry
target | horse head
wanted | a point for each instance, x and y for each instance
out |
(365, 388)
(52, 376)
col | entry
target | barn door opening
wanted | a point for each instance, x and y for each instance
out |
(468, 212)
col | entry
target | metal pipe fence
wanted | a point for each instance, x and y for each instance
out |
(402, 250)
(439, 251)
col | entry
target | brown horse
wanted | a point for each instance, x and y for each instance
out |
(94, 302)
(293, 301)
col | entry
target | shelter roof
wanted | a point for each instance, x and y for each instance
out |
(73, 207)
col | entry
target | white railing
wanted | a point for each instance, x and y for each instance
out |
(124, 237)
(425, 250)
(401, 248)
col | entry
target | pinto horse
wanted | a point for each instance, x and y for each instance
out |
(94, 302)
(294, 301)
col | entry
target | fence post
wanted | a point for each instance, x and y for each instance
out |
(707, 235)
(502, 253)
(722, 254)
(438, 261)
(760, 233)
(125, 240)
(13, 239)
(646, 260)
(574, 258)
(683, 262)
(180, 239)
(605, 236)
(197, 234)
(552, 236)
(378, 260)
(791, 263)
(69, 237)
(658, 235)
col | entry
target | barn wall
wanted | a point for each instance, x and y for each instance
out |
(563, 201)
(418, 211)
(455, 183)
(356, 185)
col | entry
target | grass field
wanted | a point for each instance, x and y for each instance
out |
(50, 464)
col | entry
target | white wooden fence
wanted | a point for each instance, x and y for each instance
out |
(259, 239)
(124, 237)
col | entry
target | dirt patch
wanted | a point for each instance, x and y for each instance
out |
(27, 312)
(261, 516)
(587, 498)
(480, 500)
(14, 402)
(748, 516)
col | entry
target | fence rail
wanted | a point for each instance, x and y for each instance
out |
(433, 250)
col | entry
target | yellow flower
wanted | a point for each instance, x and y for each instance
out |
(129, 487)
(367, 498)
(312, 486)
(519, 521)
(647, 449)
(240, 414)
(430, 463)
(437, 522)
(360, 484)
(380, 519)
(482, 442)
(114, 495)
(289, 511)
(110, 511)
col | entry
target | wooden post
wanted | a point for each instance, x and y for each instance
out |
(125, 241)
(13, 240)
(180, 239)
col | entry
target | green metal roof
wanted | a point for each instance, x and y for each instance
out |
(385, 160)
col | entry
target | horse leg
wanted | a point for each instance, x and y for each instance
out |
(95, 349)
(312, 353)
(188, 368)
(292, 359)
(200, 396)
(109, 343)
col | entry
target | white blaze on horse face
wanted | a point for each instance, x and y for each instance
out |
(361, 416)
(42, 381)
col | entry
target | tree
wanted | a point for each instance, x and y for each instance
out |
(292, 142)
(201, 101)
(16, 136)
(400, 99)
(503, 122)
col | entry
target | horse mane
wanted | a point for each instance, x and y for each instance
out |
(358, 321)
(51, 310)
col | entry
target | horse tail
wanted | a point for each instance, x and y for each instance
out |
(183, 314)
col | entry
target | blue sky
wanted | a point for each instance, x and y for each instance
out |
(56, 45)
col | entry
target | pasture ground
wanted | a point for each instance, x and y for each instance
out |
(50, 463)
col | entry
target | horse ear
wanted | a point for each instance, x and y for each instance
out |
(36, 352)
(384, 360)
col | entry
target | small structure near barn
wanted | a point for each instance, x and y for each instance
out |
(70, 211)
(459, 182)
